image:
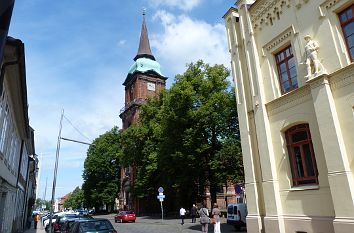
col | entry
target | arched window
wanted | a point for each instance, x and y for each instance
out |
(302, 157)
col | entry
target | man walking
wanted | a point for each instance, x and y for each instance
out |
(182, 213)
(194, 213)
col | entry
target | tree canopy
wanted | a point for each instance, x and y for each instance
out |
(101, 170)
(75, 199)
(187, 137)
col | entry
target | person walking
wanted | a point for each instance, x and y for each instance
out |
(216, 216)
(36, 219)
(193, 213)
(204, 218)
(182, 213)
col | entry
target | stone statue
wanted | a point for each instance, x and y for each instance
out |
(311, 50)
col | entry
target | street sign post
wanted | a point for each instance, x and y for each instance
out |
(161, 197)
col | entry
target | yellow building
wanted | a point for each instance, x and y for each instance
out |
(294, 78)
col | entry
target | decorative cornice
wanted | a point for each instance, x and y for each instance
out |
(261, 12)
(318, 81)
(279, 39)
(342, 78)
(329, 3)
(289, 100)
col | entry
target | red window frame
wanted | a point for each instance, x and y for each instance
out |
(345, 22)
(292, 145)
(283, 57)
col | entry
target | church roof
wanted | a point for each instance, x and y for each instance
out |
(144, 61)
(144, 45)
(144, 65)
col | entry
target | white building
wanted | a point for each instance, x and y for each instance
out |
(17, 160)
(297, 128)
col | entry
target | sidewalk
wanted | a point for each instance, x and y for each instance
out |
(40, 229)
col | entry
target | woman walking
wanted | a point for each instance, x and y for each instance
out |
(216, 216)
(204, 218)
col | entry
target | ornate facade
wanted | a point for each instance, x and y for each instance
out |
(292, 63)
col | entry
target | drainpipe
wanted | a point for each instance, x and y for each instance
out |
(18, 178)
(25, 203)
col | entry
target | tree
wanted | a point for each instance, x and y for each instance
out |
(102, 170)
(40, 203)
(187, 138)
(75, 199)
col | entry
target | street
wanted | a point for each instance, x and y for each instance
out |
(148, 225)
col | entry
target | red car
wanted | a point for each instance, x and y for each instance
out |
(125, 216)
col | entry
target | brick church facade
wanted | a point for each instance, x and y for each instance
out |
(144, 80)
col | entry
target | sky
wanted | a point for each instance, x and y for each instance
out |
(78, 53)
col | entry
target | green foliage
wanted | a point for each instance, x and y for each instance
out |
(102, 170)
(187, 138)
(75, 199)
(40, 203)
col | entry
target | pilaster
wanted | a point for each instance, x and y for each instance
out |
(339, 174)
(270, 185)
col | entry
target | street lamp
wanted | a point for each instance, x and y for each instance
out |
(56, 168)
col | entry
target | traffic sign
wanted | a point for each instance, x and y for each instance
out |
(160, 190)
(161, 197)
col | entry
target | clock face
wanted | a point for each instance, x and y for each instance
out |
(151, 86)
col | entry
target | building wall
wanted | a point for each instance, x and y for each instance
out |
(256, 32)
(16, 139)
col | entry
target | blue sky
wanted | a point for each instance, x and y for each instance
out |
(78, 53)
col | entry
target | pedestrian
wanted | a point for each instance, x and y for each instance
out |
(36, 219)
(216, 217)
(204, 218)
(193, 213)
(182, 213)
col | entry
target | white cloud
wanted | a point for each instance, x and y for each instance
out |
(185, 40)
(185, 5)
(122, 42)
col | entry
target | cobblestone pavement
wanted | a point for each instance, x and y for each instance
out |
(153, 225)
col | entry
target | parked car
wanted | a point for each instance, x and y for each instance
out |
(83, 212)
(54, 219)
(236, 215)
(65, 224)
(125, 216)
(94, 225)
(45, 217)
(58, 225)
(58, 220)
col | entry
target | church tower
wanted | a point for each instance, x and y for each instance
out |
(144, 80)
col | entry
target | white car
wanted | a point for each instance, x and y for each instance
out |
(55, 217)
(46, 222)
(236, 215)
